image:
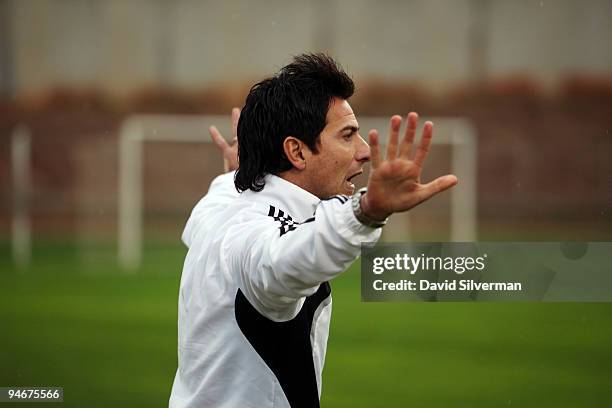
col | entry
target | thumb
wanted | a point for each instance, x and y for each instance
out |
(437, 186)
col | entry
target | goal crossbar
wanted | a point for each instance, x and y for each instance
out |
(458, 133)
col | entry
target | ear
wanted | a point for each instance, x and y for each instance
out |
(296, 151)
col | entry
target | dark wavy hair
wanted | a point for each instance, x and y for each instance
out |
(294, 102)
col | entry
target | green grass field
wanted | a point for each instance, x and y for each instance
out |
(110, 340)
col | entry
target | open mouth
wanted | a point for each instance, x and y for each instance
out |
(348, 180)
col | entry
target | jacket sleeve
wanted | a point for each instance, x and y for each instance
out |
(220, 193)
(277, 270)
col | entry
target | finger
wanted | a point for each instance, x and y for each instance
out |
(235, 118)
(374, 148)
(217, 138)
(394, 127)
(421, 153)
(406, 145)
(437, 186)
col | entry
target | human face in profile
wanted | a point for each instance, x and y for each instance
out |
(341, 155)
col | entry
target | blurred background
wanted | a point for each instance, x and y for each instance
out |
(531, 78)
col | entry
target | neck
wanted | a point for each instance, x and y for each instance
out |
(299, 179)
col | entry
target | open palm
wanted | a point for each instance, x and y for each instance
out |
(229, 151)
(395, 181)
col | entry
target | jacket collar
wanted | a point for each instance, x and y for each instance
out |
(282, 194)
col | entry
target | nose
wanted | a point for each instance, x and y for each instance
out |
(362, 153)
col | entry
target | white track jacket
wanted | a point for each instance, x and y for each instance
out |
(255, 302)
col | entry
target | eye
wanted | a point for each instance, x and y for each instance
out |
(348, 136)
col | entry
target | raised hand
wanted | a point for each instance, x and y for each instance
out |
(395, 181)
(229, 151)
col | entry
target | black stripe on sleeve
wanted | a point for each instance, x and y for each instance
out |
(342, 198)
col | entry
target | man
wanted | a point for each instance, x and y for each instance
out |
(255, 299)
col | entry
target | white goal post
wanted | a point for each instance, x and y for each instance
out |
(21, 235)
(458, 133)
